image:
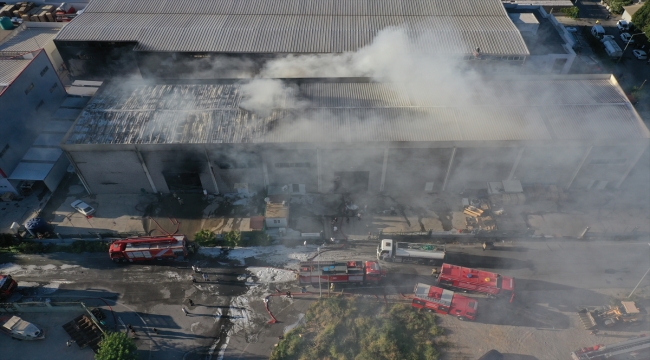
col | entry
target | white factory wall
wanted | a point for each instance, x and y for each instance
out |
(25, 112)
(548, 164)
(111, 172)
(407, 169)
(410, 169)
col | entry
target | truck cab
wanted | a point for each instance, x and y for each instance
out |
(598, 31)
(385, 249)
(443, 301)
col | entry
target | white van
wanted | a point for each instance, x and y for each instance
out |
(598, 31)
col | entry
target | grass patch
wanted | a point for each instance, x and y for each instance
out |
(342, 328)
(37, 247)
(571, 12)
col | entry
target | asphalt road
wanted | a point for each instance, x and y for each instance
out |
(564, 273)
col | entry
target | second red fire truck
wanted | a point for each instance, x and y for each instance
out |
(444, 301)
(485, 282)
(340, 272)
(7, 286)
(172, 247)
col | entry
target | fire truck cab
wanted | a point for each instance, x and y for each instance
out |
(149, 248)
(458, 277)
(7, 286)
(444, 301)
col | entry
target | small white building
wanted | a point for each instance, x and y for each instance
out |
(630, 11)
(277, 215)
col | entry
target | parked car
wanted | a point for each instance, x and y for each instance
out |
(83, 208)
(626, 37)
(623, 25)
(640, 54)
(20, 329)
(571, 29)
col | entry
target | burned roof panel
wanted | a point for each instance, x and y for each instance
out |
(146, 113)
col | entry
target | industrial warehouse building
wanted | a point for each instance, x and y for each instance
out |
(209, 39)
(351, 135)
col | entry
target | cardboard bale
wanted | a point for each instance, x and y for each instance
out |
(34, 18)
(25, 17)
(48, 8)
(7, 10)
(50, 17)
(42, 17)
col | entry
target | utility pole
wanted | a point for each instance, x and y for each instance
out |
(320, 287)
(628, 44)
(639, 283)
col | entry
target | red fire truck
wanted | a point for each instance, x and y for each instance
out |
(452, 276)
(333, 272)
(170, 247)
(7, 286)
(444, 301)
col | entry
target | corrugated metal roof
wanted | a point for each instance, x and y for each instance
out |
(10, 69)
(144, 113)
(29, 39)
(296, 26)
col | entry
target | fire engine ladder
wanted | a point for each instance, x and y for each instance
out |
(626, 347)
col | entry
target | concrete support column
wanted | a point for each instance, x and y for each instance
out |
(78, 171)
(575, 173)
(383, 171)
(514, 166)
(318, 172)
(451, 163)
(146, 171)
(632, 165)
(211, 168)
(265, 170)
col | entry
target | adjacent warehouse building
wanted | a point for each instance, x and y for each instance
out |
(203, 39)
(333, 135)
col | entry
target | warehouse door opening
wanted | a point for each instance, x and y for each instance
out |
(351, 181)
(183, 182)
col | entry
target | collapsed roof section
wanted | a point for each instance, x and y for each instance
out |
(531, 109)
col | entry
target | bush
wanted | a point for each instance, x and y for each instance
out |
(205, 237)
(6, 240)
(256, 238)
(232, 238)
(81, 246)
(117, 346)
(571, 12)
(340, 328)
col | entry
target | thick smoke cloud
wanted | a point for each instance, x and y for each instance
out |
(395, 57)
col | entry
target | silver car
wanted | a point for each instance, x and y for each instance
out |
(83, 208)
(20, 329)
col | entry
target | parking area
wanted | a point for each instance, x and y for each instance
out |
(53, 347)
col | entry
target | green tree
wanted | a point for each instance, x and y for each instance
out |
(232, 238)
(571, 12)
(205, 237)
(641, 18)
(117, 346)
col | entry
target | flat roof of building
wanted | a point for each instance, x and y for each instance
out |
(9, 71)
(545, 108)
(275, 210)
(295, 26)
(30, 36)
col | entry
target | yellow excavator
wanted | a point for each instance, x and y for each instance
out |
(626, 313)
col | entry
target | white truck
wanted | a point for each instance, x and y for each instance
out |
(611, 47)
(20, 329)
(391, 250)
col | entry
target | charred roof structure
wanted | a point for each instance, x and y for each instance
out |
(337, 135)
(147, 35)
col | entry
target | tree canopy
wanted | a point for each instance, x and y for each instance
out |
(117, 346)
(641, 18)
